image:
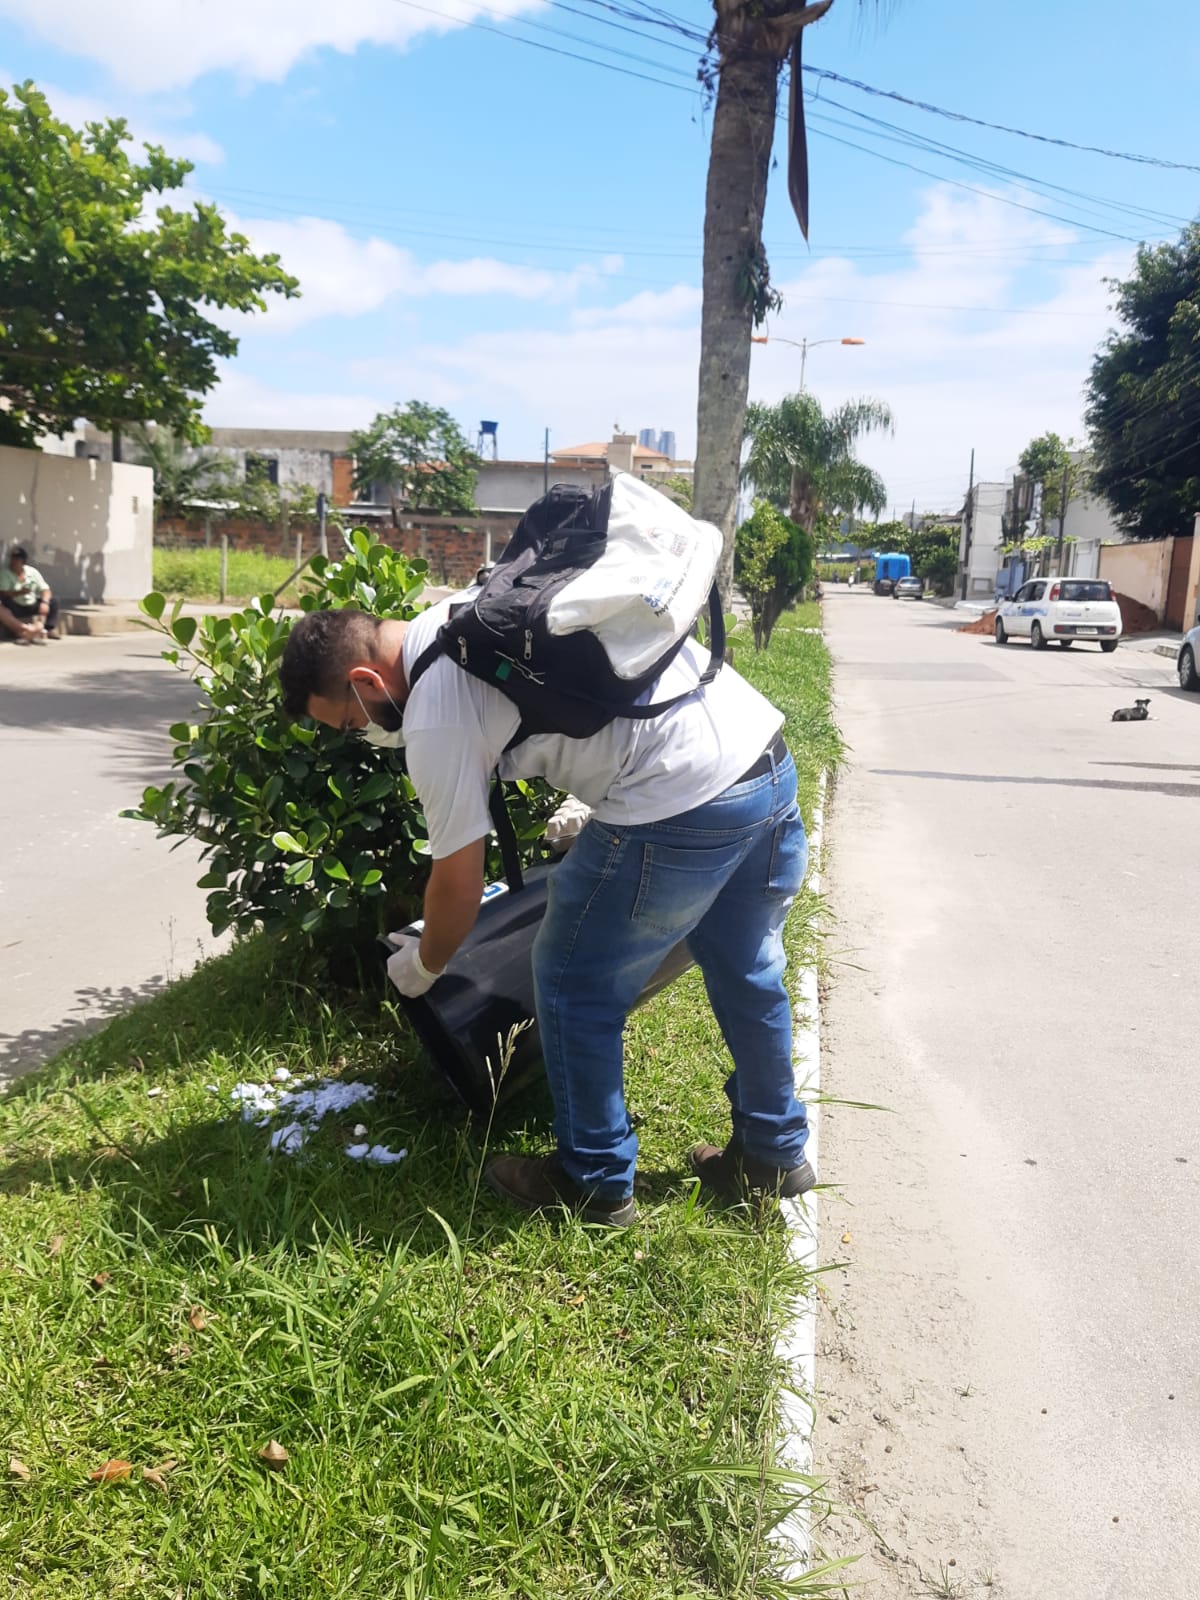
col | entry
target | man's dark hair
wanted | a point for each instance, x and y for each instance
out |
(18, 553)
(321, 649)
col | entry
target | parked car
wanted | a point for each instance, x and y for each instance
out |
(1187, 659)
(908, 589)
(1062, 609)
(882, 586)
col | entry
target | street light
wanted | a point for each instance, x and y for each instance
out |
(803, 345)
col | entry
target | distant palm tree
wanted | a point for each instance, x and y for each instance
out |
(181, 480)
(803, 459)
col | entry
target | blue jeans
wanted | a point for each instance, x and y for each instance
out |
(722, 877)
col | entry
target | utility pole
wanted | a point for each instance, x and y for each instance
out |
(546, 465)
(322, 535)
(803, 361)
(968, 518)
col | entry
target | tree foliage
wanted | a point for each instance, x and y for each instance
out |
(1144, 394)
(103, 313)
(802, 458)
(679, 489)
(421, 454)
(305, 831)
(772, 561)
(1048, 460)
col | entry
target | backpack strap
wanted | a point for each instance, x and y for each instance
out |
(506, 837)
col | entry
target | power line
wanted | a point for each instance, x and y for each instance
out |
(678, 26)
(999, 127)
(655, 17)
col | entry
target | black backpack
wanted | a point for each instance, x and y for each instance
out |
(560, 683)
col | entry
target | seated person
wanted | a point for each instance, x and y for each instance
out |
(27, 608)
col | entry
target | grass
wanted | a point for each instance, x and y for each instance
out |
(196, 574)
(473, 1404)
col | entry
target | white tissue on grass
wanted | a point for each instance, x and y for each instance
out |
(254, 1099)
(281, 1074)
(290, 1139)
(378, 1153)
(360, 1130)
(304, 1108)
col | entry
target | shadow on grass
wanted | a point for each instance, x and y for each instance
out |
(183, 1163)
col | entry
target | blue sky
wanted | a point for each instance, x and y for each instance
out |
(515, 234)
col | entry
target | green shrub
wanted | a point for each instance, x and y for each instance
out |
(305, 831)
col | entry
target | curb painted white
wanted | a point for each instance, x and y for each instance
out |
(797, 1344)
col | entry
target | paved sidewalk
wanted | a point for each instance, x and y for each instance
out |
(96, 912)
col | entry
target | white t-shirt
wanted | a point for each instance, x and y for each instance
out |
(456, 727)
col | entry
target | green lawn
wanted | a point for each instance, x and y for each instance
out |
(196, 574)
(473, 1404)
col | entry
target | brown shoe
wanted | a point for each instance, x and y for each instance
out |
(540, 1184)
(733, 1175)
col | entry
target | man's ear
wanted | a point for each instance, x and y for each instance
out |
(367, 677)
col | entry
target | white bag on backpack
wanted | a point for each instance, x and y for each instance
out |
(649, 586)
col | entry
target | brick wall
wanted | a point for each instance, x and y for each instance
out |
(455, 548)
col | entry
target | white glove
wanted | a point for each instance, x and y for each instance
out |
(566, 823)
(406, 969)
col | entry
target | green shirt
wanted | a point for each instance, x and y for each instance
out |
(25, 590)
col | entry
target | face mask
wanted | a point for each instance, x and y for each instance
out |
(374, 734)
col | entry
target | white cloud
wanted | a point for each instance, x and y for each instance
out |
(342, 275)
(242, 401)
(956, 379)
(652, 306)
(150, 45)
(78, 109)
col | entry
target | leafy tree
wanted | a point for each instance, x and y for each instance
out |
(102, 312)
(1144, 394)
(884, 536)
(679, 489)
(803, 459)
(749, 43)
(420, 452)
(181, 476)
(1047, 460)
(772, 561)
(936, 558)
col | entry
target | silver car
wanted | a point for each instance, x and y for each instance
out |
(1185, 662)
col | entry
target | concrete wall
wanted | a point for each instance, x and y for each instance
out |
(987, 535)
(318, 457)
(1139, 570)
(88, 525)
(515, 485)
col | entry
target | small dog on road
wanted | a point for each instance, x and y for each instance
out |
(1137, 712)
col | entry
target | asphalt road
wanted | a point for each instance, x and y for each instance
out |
(96, 912)
(1010, 1365)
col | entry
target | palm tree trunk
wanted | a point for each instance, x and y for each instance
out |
(742, 133)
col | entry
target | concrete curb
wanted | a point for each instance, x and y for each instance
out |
(797, 1344)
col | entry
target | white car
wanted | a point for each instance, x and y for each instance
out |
(1062, 609)
(1187, 663)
